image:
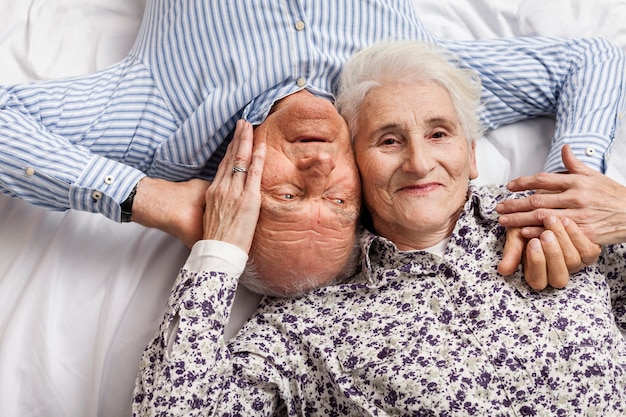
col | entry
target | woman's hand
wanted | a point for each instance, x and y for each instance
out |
(549, 259)
(233, 200)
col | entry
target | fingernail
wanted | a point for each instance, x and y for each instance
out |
(548, 236)
(534, 244)
(566, 221)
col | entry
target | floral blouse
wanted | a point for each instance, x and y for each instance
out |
(413, 334)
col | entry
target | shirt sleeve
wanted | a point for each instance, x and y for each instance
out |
(187, 369)
(579, 81)
(82, 142)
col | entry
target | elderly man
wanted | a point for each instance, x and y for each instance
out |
(429, 327)
(130, 141)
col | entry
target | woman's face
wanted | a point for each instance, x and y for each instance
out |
(415, 162)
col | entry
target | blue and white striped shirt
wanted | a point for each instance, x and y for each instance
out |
(197, 66)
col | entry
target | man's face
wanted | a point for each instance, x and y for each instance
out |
(310, 194)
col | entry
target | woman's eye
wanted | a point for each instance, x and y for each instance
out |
(339, 201)
(388, 141)
(439, 135)
(288, 196)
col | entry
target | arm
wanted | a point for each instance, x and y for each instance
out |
(580, 81)
(81, 143)
(64, 142)
(188, 369)
(176, 208)
(44, 167)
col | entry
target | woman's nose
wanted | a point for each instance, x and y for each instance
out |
(418, 159)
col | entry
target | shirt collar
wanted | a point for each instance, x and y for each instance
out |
(257, 110)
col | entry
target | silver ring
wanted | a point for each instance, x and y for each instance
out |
(239, 169)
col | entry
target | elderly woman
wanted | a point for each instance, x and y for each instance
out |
(478, 343)
(429, 327)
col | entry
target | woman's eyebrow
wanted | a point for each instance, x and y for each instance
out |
(440, 120)
(387, 127)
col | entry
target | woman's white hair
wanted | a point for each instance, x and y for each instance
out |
(408, 62)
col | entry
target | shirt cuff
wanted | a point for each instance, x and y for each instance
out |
(215, 255)
(591, 149)
(102, 186)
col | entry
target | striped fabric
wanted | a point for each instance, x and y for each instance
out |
(581, 81)
(197, 66)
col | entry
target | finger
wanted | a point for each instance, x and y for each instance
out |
(255, 171)
(531, 232)
(571, 257)
(556, 268)
(513, 251)
(524, 218)
(515, 205)
(545, 181)
(573, 164)
(588, 251)
(242, 144)
(224, 170)
(536, 201)
(242, 154)
(535, 269)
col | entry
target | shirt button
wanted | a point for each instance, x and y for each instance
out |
(188, 304)
(300, 25)
(30, 171)
(301, 82)
(590, 152)
(96, 195)
(108, 179)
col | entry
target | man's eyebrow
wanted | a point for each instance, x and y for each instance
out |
(277, 208)
(284, 209)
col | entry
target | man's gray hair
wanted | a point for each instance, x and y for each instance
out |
(408, 62)
(299, 281)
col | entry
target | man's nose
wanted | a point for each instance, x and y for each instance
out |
(317, 165)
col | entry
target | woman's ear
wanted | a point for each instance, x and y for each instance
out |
(472, 155)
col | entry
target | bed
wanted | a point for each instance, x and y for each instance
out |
(80, 296)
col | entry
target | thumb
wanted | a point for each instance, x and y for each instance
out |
(513, 250)
(573, 164)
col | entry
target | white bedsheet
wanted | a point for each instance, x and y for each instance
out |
(80, 296)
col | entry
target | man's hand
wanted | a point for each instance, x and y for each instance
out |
(549, 259)
(176, 208)
(592, 200)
